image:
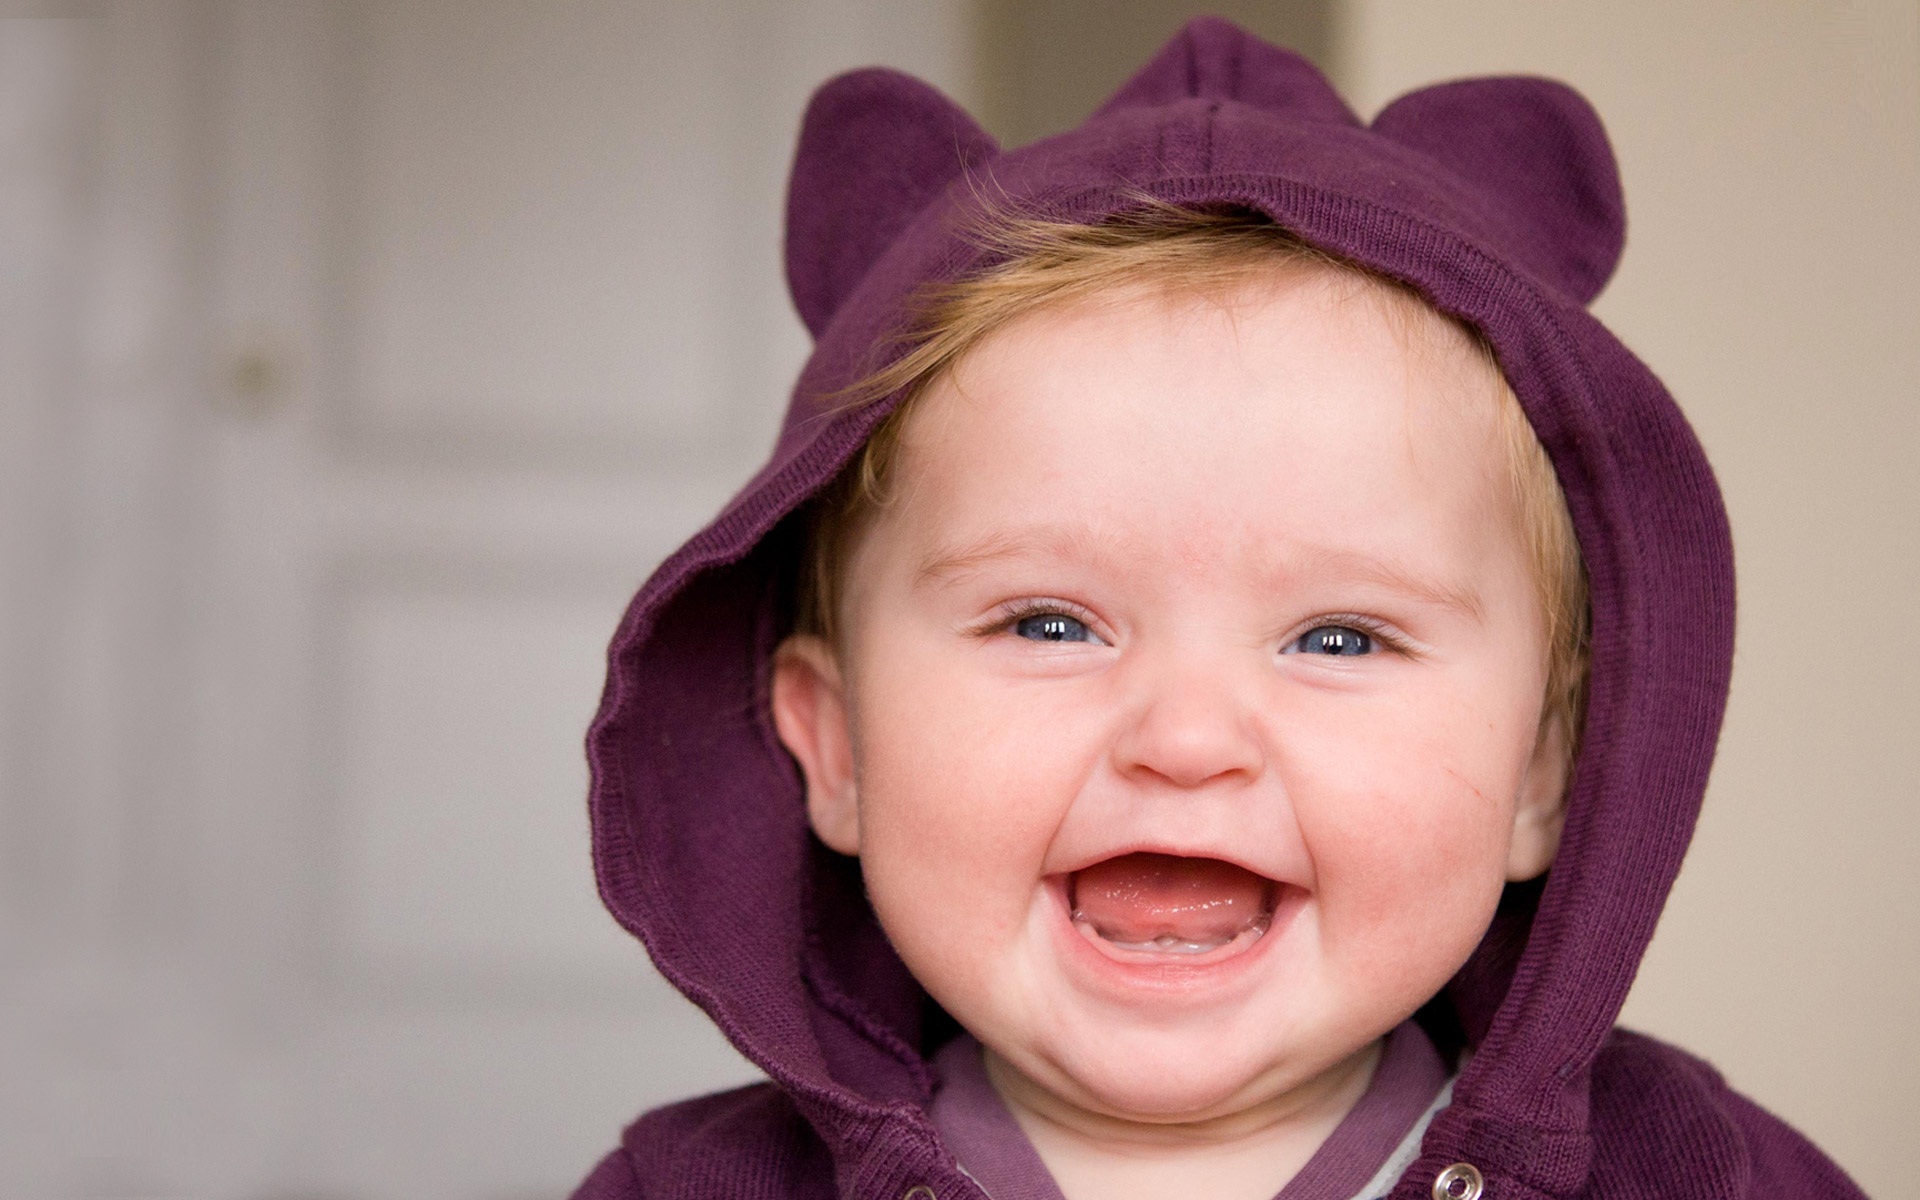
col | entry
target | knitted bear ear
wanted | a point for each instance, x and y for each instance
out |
(1214, 59)
(1537, 154)
(876, 147)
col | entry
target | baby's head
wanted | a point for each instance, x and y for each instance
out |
(1191, 659)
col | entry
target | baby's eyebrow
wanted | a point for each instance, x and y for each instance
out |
(1387, 574)
(1087, 547)
(1055, 543)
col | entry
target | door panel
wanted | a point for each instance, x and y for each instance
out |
(413, 336)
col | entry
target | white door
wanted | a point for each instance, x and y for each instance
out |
(471, 312)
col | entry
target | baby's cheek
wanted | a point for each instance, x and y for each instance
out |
(1413, 866)
(958, 803)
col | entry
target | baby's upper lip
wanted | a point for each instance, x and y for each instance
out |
(1179, 850)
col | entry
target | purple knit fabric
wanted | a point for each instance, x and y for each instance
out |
(980, 1131)
(989, 1143)
(1499, 201)
(1408, 1076)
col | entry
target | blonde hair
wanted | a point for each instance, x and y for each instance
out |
(1039, 262)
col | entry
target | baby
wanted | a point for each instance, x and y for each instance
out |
(1117, 745)
(1195, 655)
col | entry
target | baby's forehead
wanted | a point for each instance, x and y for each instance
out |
(1314, 391)
(1286, 317)
(1354, 311)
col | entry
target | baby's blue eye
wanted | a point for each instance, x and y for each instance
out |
(1052, 627)
(1341, 641)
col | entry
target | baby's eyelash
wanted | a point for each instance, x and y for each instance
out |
(1007, 615)
(1373, 627)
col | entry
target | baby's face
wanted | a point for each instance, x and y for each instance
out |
(1186, 716)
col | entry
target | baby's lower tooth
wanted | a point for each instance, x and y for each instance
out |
(1165, 943)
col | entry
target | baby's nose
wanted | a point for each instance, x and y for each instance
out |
(1191, 728)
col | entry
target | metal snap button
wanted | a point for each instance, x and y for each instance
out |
(1461, 1181)
(919, 1191)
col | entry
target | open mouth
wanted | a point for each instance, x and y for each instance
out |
(1145, 907)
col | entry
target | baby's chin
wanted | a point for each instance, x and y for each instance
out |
(1168, 1086)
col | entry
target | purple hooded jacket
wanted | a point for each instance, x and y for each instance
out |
(1496, 198)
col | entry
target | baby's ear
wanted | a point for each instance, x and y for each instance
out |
(876, 147)
(810, 715)
(1536, 152)
(1540, 811)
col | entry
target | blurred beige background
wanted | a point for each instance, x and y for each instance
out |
(359, 359)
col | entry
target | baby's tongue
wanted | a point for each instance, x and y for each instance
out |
(1168, 902)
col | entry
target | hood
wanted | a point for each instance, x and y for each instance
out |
(1499, 200)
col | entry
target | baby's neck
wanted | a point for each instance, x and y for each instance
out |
(1245, 1155)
